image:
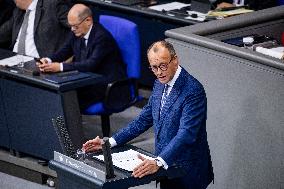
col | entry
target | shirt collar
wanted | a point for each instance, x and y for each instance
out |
(88, 33)
(172, 82)
(33, 5)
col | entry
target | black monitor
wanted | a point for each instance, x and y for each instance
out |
(202, 6)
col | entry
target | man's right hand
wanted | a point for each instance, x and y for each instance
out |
(93, 145)
(41, 61)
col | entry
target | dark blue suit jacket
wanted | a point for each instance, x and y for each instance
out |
(103, 57)
(180, 129)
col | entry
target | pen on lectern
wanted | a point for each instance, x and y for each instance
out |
(13, 71)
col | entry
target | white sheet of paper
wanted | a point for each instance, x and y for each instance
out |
(14, 60)
(277, 52)
(169, 6)
(278, 49)
(126, 160)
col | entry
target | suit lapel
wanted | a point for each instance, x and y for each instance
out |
(90, 40)
(170, 101)
(157, 96)
(38, 14)
(172, 98)
(18, 23)
(78, 44)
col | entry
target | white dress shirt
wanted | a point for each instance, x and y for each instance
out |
(172, 82)
(239, 2)
(88, 35)
(30, 42)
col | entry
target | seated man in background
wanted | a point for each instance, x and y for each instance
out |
(6, 11)
(93, 49)
(37, 27)
(252, 4)
(177, 110)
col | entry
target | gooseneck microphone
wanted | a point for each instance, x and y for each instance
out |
(107, 158)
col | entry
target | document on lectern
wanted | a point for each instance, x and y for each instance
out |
(15, 60)
(169, 6)
(126, 160)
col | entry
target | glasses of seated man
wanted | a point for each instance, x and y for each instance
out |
(76, 26)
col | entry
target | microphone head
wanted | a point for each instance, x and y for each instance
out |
(194, 15)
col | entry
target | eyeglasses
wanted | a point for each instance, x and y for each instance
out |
(162, 66)
(76, 26)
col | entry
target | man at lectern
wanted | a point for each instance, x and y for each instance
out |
(177, 110)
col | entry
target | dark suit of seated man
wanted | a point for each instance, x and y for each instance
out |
(177, 110)
(93, 49)
(45, 27)
(6, 11)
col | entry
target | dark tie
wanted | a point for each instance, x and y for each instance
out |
(165, 95)
(23, 34)
(83, 49)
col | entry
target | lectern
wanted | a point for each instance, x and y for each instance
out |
(90, 173)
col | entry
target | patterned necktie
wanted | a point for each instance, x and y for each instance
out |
(165, 95)
(23, 34)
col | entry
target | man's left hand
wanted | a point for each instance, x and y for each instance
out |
(147, 167)
(50, 67)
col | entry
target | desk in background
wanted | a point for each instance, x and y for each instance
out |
(27, 106)
(151, 24)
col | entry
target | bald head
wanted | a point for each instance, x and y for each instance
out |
(80, 19)
(80, 11)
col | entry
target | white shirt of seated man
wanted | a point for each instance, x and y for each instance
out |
(30, 47)
(239, 2)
